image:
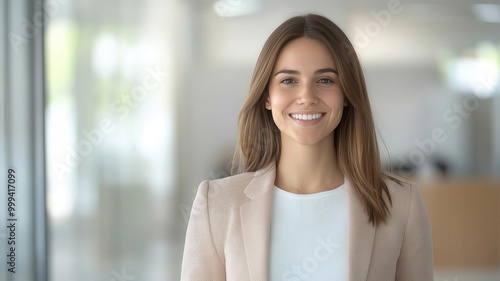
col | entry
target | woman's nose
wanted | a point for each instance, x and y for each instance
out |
(307, 96)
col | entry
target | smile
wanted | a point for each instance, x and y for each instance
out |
(307, 116)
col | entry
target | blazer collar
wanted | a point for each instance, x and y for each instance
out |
(361, 236)
(256, 226)
(256, 222)
(262, 182)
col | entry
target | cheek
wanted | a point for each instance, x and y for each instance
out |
(335, 101)
(278, 100)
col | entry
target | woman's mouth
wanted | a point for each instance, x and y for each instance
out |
(306, 117)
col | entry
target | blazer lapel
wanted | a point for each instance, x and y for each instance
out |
(256, 222)
(361, 236)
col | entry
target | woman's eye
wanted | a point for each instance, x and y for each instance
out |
(287, 81)
(325, 81)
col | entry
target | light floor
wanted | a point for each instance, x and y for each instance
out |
(467, 275)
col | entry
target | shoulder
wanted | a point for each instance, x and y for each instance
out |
(248, 184)
(399, 189)
(406, 199)
(234, 180)
(227, 191)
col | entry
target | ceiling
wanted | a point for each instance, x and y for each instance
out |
(414, 33)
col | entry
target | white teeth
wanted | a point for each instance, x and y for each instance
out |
(307, 116)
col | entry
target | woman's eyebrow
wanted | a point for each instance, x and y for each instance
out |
(294, 72)
(325, 70)
(287, 71)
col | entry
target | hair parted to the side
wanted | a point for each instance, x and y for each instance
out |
(355, 138)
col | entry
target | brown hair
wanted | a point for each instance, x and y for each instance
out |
(354, 138)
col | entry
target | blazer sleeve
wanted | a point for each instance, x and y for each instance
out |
(201, 260)
(415, 261)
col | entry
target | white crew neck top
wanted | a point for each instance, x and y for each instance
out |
(309, 236)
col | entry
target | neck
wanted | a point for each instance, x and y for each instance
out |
(308, 169)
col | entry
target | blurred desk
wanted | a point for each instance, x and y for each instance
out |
(465, 218)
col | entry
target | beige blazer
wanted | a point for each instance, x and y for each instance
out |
(229, 231)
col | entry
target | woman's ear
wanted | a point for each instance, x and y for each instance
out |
(268, 103)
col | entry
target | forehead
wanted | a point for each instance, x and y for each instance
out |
(305, 53)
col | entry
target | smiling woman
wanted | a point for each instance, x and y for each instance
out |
(308, 95)
(310, 201)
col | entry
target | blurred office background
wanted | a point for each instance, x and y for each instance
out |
(114, 111)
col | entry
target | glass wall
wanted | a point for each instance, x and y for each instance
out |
(23, 254)
(111, 125)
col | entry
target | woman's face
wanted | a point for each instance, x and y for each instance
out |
(304, 92)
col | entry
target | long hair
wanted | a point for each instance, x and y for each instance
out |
(355, 139)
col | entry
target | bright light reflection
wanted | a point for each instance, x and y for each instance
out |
(60, 204)
(105, 55)
(235, 8)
